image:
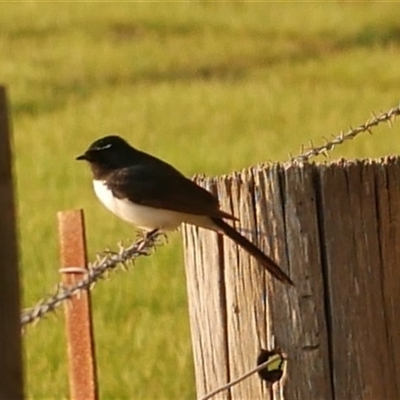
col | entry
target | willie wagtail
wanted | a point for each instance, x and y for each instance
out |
(153, 195)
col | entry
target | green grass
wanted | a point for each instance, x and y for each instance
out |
(211, 88)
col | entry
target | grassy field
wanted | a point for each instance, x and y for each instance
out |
(211, 88)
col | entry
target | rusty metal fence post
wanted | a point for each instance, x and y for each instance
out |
(80, 338)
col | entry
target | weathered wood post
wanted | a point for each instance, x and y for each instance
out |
(11, 374)
(335, 228)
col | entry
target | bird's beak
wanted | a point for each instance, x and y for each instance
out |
(82, 157)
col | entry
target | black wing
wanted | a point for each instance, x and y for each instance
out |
(164, 188)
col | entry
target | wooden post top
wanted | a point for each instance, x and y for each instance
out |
(335, 229)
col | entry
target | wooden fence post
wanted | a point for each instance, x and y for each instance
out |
(80, 338)
(335, 229)
(11, 373)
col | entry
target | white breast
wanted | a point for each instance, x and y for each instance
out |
(146, 217)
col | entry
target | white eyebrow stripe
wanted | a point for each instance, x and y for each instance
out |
(107, 146)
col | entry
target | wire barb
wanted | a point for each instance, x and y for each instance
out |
(312, 151)
(97, 270)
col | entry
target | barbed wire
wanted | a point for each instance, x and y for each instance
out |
(107, 262)
(313, 151)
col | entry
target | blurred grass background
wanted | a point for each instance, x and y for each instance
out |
(209, 87)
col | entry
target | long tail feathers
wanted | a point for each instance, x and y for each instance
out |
(252, 249)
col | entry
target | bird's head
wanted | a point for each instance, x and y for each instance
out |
(109, 151)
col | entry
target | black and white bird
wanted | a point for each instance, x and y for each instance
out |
(151, 194)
